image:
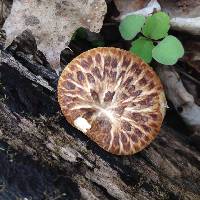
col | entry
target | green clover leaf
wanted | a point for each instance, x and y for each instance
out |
(156, 26)
(143, 47)
(168, 51)
(130, 26)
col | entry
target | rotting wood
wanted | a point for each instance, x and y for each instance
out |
(31, 122)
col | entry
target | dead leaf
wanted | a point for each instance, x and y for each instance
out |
(185, 14)
(181, 8)
(125, 6)
(53, 22)
(129, 7)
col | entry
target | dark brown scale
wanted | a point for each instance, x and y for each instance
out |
(89, 113)
(71, 105)
(94, 95)
(80, 76)
(143, 65)
(146, 138)
(154, 116)
(133, 104)
(90, 78)
(148, 101)
(66, 99)
(85, 64)
(123, 96)
(134, 138)
(89, 60)
(143, 81)
(105, 73)
(146, 128)
(104, 124)
(123, 138)
(126, 62)
(134, 67)
(154, 125)
(98, 58)
(113, 75)
(152, 95)
(159, 88)
(144, 103)
(131, 90)
(136, 93)
(116, 140)
(121, 75)
(126, 126)
(151, 85)
(127, 146)
(138, 132)
(109, 96)
(137, 117)
(69, 76)
(73, 67)
(128, 81)
(69, 86)
(149, 75)
(107, 60)
(138, 71)
(97, 73)
(119, 110)
(106, 140)
(114, 63)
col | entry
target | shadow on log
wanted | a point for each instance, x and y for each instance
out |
(31, 122)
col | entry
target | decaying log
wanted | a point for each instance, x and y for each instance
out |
(31, 122)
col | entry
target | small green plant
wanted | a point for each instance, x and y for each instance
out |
(81, 34)
(153, 40)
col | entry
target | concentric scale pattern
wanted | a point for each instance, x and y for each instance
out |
(115, 98)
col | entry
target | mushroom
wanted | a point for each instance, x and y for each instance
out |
(114, 98)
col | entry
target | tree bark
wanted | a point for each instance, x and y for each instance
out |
(31, 122)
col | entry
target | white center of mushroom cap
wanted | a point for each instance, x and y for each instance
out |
(82, 124)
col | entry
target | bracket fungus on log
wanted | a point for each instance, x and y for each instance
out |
(113, 97)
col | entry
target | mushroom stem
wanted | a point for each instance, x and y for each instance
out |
(182, 100)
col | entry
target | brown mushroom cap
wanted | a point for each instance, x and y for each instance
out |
(115, 98)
